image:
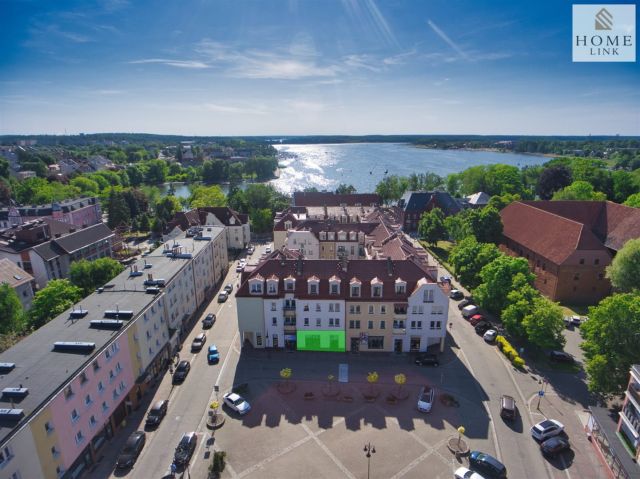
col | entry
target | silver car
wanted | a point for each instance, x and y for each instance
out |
(425, 398)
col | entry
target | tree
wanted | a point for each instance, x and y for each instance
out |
(633, 201)
(504, 179)
(468, 258)
(391, 188)
(11, 313)
(579, 190)
(117, 210)
(4, 168)
(611, 342)
(89, 275)
(624, 271)
(215, 171)
(431, 226)
(344, 189)
(157, 171)
(203, 196)
(167, 207)
(498, 279)
(499, 202)
(624, 185)
(261, 220)
(519, 306)
(52, 300)
(136, 177)
(552, 179)
(544, 324)
(485, 224)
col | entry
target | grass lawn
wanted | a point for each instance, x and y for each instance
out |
(441, 251)
(571, 310)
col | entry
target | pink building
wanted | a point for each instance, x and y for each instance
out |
(79, 212)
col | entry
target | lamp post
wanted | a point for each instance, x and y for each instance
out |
(369, 449)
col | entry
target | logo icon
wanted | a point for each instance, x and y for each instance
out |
(604, 20)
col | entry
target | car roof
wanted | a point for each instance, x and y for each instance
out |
(213, 347)
(201, 335)
(547, 423)
(232, 396)
(183, 363)
(159, 404)
(187, 436)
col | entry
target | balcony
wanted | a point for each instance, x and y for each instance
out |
(631, 419)
(634, 392)
(399, 331)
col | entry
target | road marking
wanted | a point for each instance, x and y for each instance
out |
(326, 450)
(226, 360)
(486, 406)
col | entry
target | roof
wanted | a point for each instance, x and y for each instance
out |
(608, 423)
(10, 242)
(225, 215)
(478, 199)
(555, 229)
(12, 274)
(420, 200)
(198, 217)
(365, 271)
(84, 237)
(46, 210)
(301, 198)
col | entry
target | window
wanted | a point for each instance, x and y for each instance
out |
(398, 324)
(259, 340)
(600, 276)
(54, 452)
(318, 322)
(256, 288)
(330, 321)
(74, 416)
(414, 309)
(122, 386)
(383, 324)
(337, 307)
(105, 406)
(272, 288)
(118, 368)
(576, 277)
(371, 309)
(112, 375)
(428, 296)
(107, 354)
(435, 325)
(596, 261)
(83, 378)
(274, 321)
(331, 307)
(370, 324)
(581, 260)
(306, 307)
(313, 289)
(383, 309)
(68, 392)
(306, 321)
(376, 291)
(88, 400)
(273, 306)
(48, 427)
(352, 324)
(289, 285)
(437, 309)
(79, 437)
(6, 455)
(318, 308)
(355, 291)
(337, 322)
(334, 288)
(92, 421)
(375, 342)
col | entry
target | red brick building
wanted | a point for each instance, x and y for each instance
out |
(569, 244)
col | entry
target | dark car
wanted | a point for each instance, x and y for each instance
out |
(456, 294)
(554, 446)
(181, 371)
(198, 342)
(209, 321)
(427, 360)
(229, 288)
(561, 357)
(157, 413)
(464, 302)
(487, 465)
(131, 450)
(483, 326)
(185, 449)
(508, 408)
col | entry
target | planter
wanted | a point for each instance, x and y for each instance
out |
(215, 421)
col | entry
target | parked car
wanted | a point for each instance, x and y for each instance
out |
(198, 342)
(209, 321)
(567, 321)
(251, 249)
(157, 413)
(576, 320)
(475, 319)
(469, 311)
(229, 288)
(181, 371)
(490, 335)
(464, 473)
(213, 356)
(425, 359)
(561, 357)
(487, 465)
(223, 296)
(456, 294)
(483, 326)
(464, 303)
(425, 398)
(131, 450)
(554, 446)
(508, 408)
(546, 429)
(237, 403)
(185, 449)
(267, 249)
(240, 268)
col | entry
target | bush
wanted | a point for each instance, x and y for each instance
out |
(509, 351)
(217, 466)
(518, 362)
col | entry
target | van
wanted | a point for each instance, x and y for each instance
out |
(469, 311)
(507, 408)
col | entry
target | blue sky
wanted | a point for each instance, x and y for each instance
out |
(249, 67)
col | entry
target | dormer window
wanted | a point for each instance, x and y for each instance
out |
(332, 235)
(289, 284)
(255, 285)
(352, 235)
(401, 286)
(323, 235)
(287, 225)
(376, 288)
(334, 285)
(272, 285)
(342, 236)
(314, 285)
(355, 288)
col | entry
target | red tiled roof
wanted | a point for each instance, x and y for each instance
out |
(301, 198)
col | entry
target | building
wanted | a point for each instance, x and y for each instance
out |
(414, 204)
(237, 227)
(78, 212)
(478, 200)
(70, 385)
(21, 281)
(569, 244)
(25, 174)
(301, 198)
(616, 436)
(329, 305)
(329, 240)
(46, 248)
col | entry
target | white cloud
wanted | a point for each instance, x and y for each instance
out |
(191, 64)
(235, 109)
(438, 31)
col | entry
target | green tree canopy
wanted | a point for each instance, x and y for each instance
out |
(498, 281)
(431, 226)
(519, 306)
(202, 196)
(89, 275)
(117, 209)
(624, 271)
(579, 190)
(485, 224)
(11, 312)
(157, 171)
(633, 201)
(344, 189)
(498, 202)
(391, 188)
(611, 337)
(552, 179)
(167, 207)
(261, 220)
(544, 324)
(457, 227)
(52, 300)
(468, 258)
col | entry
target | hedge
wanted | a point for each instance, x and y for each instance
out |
(510, 352)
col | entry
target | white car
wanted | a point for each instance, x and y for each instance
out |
(464, 473)
(240, 267)
(268, 250)
(546, 429)
(425, 398)
(237, 403)
(490, 336)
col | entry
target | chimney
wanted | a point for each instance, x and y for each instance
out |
(389, 266)
(344, 262)
(299, 267)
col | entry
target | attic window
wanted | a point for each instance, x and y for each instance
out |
(335, 288)
(289, 285)
(355, 290)
(581, 260)
(596, 261)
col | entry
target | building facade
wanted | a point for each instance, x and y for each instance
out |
(79, 212)
(18, 279)
(414, 204)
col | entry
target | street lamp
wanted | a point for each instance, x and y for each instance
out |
(369, 449)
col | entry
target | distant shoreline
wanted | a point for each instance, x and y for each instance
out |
(491, 150)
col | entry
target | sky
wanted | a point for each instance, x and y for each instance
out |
(298, 67)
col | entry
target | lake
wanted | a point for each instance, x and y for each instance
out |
(364, 165)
